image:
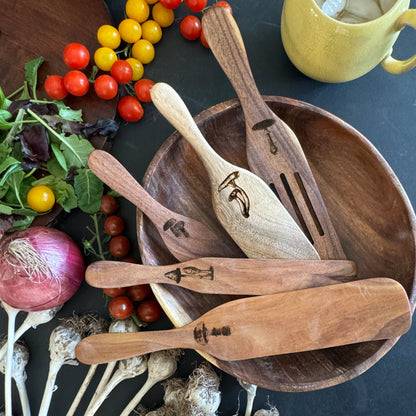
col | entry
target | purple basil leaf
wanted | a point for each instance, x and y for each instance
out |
(65, 126)
(35, 144)
(38, 108)
(104, 127)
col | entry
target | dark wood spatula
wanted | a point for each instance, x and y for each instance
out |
(225, 275)
(267, 325)
(273, 150)
(186, 238)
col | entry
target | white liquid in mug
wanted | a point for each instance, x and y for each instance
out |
(355, 11)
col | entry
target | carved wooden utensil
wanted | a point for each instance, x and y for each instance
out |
(225, 275)
(303, 320)
(245, 206)
(273, 150)
(185, 238)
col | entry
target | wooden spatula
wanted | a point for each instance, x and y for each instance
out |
(267, 325)
(273, 150)
(245, 206)
(186, 238)
(225, 275)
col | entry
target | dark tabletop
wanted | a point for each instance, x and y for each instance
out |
(380, 105)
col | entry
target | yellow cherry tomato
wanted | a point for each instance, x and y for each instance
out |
(104, 58)
(151, 31)
(41, 198)
(138, 69)
(138, 10)
(143, 50)
(130, 30)
(151, 1)
(109, 36)
(162, 15)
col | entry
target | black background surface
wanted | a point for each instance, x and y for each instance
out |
(380, 105)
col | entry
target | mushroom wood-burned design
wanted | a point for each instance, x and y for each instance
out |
(202, 333)
(190, 271)
(177, 228)
(237, 193)
(264, 125)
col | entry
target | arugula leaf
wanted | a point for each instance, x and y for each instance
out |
(5, 209)
(89, 190)
(4, 102)
(68, 113)
(31, 73)
(55, 168)
(15, 180)
(9, 161)
(76, 150)
(60, 158)
(21, 223)
(11, 170)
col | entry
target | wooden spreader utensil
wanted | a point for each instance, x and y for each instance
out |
(273, 151)
(245, 206)
(185, 237)
(282, 323)
(225, 275)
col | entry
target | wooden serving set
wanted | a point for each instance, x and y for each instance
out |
(308, 295)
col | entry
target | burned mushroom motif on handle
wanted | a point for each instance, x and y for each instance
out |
(177, 228)
(202, 333)
(264, 125)
(238, 194)
(190, 271)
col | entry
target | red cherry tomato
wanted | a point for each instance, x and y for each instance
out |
(114, 292)
(191, 27)
(130, 108)
(203, 39)
(139, 292)
(142, 88)
(225, 5)
(76, 83)
(119, 246)
(76, 55)
(108, 205)
(106, 87)
(149, 311)
(170, 4)
(196, 5)
(120, 307)
(55, 88)
(122, 71)
(114, 225)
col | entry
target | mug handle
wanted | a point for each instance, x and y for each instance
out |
(395, 66)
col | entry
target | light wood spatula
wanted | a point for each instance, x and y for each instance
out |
(267, 325)
(245, 206)
(186, 238)
(225, 275)
(273, 150)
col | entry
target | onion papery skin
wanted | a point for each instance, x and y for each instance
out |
(38, 292)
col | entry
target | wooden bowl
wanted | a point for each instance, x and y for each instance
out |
(369, 208)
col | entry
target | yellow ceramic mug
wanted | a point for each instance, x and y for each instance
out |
(330, 50)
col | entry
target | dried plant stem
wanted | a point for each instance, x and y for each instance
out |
(11, 312)
(103, 382)
(138, 397)
(82, 390)
(24, 399)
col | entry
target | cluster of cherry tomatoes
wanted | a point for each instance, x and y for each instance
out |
(134, 38)
(136, 301)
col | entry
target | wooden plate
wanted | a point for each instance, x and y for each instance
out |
(30, 29)
(369, 208)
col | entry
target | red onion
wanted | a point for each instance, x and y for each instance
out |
(40, 268)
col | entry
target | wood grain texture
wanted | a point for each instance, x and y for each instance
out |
(231, 276)
(296, 321)
(370, 211)
(244, 204)
(185, 237)
(273, 150)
